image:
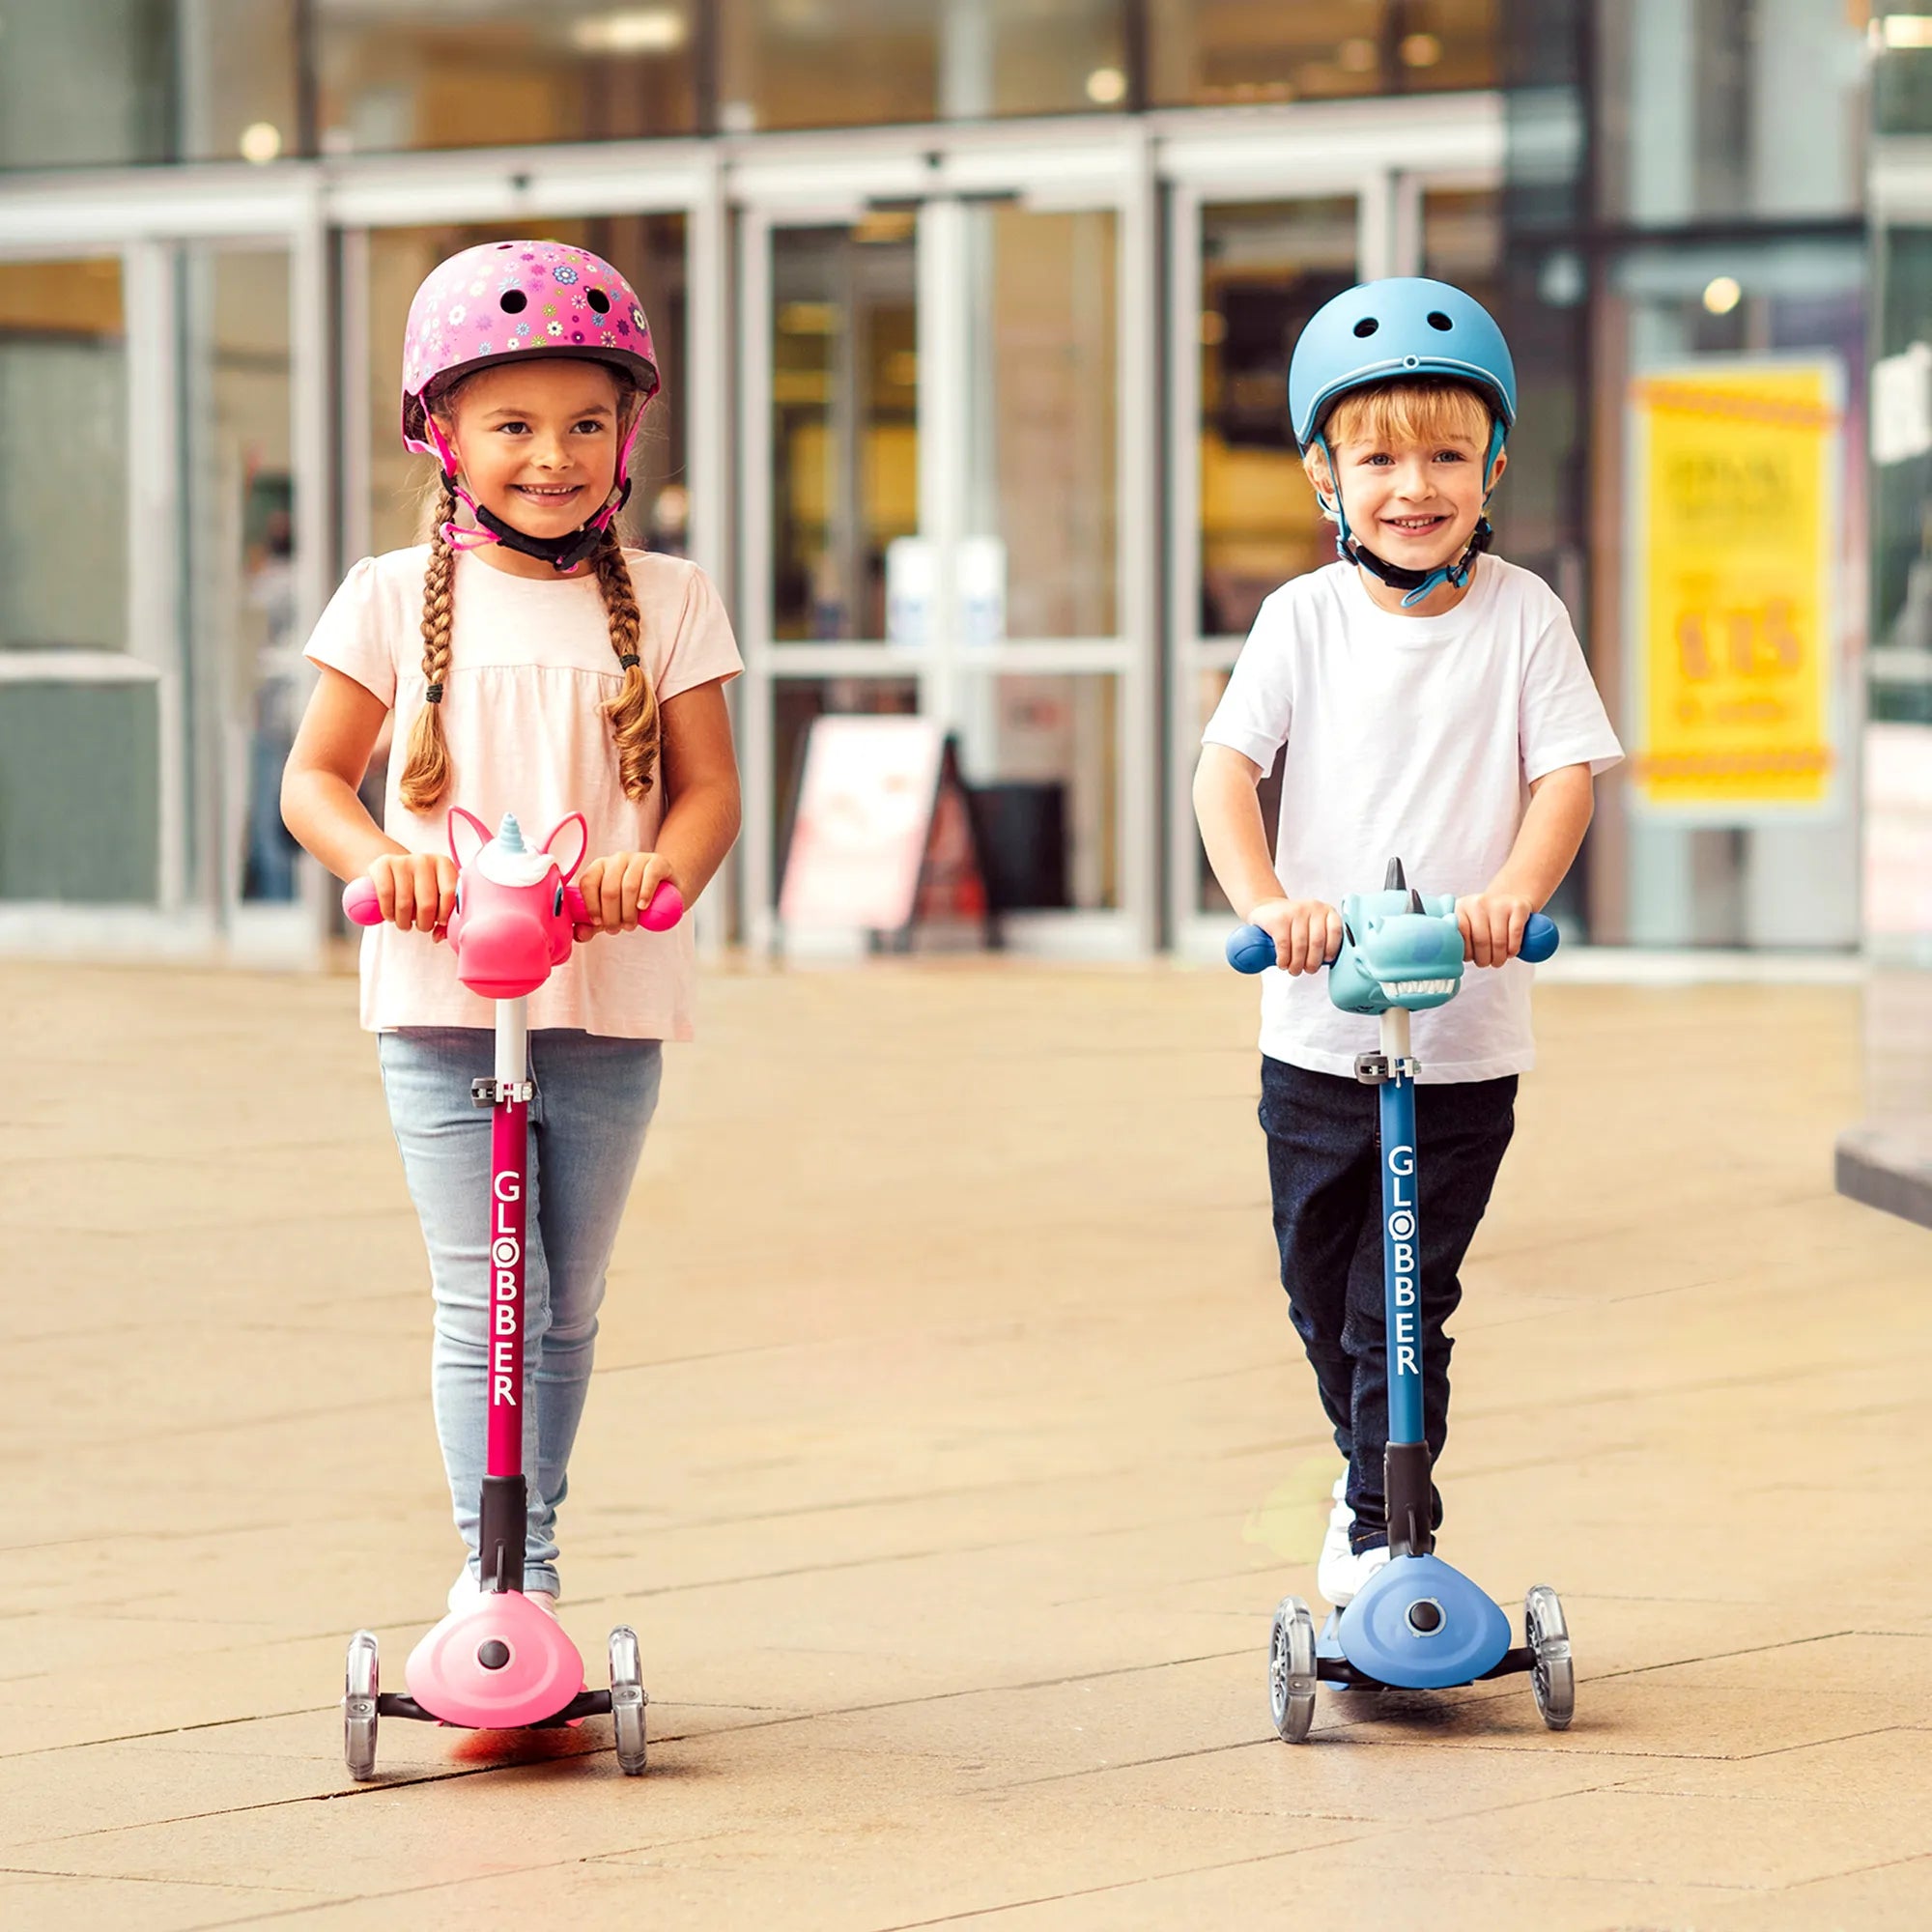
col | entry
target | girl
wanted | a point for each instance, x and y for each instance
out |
(532, 666)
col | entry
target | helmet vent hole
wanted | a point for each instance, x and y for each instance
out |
(1438, 319)
(598, 300)
(1367, 325)
(514, 301)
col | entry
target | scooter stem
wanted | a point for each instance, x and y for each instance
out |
(1405, 1466)
(505, 1501)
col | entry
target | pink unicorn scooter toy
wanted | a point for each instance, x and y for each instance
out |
(499, 1663)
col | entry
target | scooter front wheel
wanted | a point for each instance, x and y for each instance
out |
(1291, 1670)
(628, 1699)
(360, 1684)
(1553, 1676)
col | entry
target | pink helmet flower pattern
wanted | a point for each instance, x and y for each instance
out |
(477, 309)
(472, 309)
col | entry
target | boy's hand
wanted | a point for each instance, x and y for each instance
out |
(415, 890)
(616, 888)
(1492, 924)
(1307, 933)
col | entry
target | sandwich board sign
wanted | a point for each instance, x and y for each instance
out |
(882, 837)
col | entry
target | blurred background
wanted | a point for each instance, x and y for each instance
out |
(976, 317)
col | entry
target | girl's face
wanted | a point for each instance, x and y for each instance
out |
(1414, 503)
(537, 441)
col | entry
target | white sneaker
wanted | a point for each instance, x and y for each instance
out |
(1335, 1538)
(1341, 1578)
(467, 1589)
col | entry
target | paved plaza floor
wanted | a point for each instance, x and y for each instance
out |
(948, 1449)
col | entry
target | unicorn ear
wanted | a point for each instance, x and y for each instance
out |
(475, 824)
(576, 818)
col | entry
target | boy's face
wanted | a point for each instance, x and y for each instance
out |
(1414, 503)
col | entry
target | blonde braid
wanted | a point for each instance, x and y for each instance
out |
(429, 773)
(634, 711)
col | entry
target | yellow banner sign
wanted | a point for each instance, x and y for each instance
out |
(1734, 539)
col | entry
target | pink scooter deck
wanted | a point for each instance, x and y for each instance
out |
(496, 1663)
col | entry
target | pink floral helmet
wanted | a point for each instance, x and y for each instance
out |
(505, 300)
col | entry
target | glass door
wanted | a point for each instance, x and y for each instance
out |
(90, 775)
(1246, 278)
(940, 471)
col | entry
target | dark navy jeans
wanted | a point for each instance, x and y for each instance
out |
(1324, 1173)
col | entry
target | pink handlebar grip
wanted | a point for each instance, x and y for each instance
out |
(665, 910)
(359, 902)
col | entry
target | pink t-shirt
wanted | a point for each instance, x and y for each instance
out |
(530, 667)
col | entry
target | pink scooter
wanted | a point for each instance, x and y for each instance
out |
(499, 1663)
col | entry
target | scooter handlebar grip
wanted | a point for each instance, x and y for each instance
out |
(360, 903)
(1539, 939)
(665, 910)
(1250, 949)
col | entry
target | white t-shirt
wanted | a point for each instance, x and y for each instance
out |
(1413, 738)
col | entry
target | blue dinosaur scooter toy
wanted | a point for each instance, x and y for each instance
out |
(1417, 1623)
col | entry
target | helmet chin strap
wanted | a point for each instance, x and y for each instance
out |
(1418, 584)
(561, 554)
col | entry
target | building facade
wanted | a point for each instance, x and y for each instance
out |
(975, 319)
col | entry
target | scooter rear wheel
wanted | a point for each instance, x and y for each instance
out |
(1291, 1670)
(360, 1684)
(1553, 1676)
(628, 1699)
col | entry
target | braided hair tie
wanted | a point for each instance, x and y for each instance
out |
(433, 693)
(627, 659)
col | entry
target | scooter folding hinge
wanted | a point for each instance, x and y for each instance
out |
(1374, 1069)
(490, 1092)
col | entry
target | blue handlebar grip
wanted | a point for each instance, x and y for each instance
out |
(1250, 949)
(1539, 939)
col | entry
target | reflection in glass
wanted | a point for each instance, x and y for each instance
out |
(118, 82)
(1708, 109)
(844, 421)
(78, 736)
(1266, 268)
(855, 62)
(470, 73)
(64, 397)
(249, 678)
(1043, 455)
(1216, 52)
(1042, 756)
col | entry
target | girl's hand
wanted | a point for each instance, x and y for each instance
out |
(617, 888)
(415, 890)
(1492, 924)
(1307, 933)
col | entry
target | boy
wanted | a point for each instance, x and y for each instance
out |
(1435, 707)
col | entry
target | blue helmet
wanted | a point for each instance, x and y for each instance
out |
(1404, 328)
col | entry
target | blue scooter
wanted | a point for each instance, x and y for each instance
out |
(1418, 1624)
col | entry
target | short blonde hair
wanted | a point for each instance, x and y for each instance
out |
(1430, 411)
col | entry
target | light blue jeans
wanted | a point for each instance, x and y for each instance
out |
(594, 1102)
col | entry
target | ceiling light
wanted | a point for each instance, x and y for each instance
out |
(261, 142)
(1903, 30)
(1722, 294)
(637, 30)
(1106, 87)
(1420, 51)
(1358, 56)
